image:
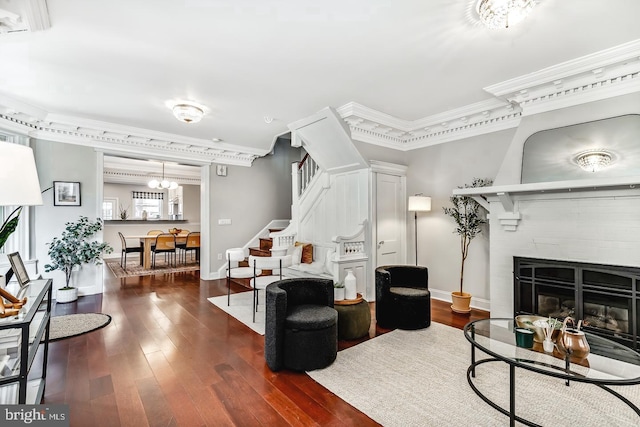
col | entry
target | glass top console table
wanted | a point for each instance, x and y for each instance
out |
(608, 363)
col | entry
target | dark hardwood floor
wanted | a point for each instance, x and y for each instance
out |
(171, 358)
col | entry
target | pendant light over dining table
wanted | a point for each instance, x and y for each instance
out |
(164, 184)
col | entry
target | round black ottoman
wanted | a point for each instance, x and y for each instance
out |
(354, 320)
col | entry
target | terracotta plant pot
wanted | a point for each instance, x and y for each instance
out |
(461, 302)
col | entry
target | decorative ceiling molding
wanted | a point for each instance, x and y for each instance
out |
(373, 127)
(601, 75)
(121, 176)
(25, 15)
(118, 139)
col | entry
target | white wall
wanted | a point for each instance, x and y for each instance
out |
(436, 171)
(65, 162)
(594, 226)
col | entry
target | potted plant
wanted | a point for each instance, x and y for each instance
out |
(469, 220)
(73, 249)
(123, 213)
(338, 291)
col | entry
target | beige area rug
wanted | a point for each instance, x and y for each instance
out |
(135, 269)
(241, 307)
(418, 378)
(76, 324)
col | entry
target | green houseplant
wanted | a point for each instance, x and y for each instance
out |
(469, 218)
(338, 291)
(72, 249)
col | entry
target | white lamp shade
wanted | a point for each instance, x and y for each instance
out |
(19, 184)
(419, 204)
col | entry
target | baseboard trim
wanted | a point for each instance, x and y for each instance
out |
(478, 303)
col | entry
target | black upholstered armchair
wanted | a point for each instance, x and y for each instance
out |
(402, 297)
(301, 331)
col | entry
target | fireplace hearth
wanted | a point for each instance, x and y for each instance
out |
(605, 297)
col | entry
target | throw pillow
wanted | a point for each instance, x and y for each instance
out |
(307, 252)
(296, 254)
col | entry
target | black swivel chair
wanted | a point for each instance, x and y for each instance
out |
(301, 331)
(403, 299)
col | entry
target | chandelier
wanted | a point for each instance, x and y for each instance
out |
(164, 184)
(498, 14)
(594, 160)
(188, 112)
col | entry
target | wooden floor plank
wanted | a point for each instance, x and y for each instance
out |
(171, 358)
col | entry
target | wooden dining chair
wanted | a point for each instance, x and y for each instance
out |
(126, 250)
(165, 243)
(192, 243)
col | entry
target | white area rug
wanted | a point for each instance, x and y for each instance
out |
(241, 307)
(418, 378)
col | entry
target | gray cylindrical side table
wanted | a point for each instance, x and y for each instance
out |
(354, 320)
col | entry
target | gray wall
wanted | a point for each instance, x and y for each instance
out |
(251, 198)
(65, 162)
(436, 171)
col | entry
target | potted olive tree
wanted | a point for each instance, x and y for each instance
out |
(469, 219)
(72, 249)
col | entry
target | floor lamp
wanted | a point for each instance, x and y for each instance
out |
(418, 203)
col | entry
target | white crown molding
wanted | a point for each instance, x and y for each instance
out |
(127, 177)
(117, 139)
(605, 74)
(602, 75)
(373, 127)
(25, 15)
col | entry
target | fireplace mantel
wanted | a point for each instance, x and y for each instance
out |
(505, 193)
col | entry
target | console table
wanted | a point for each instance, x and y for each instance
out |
(615, 365)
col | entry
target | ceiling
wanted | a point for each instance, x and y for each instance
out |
(119, 62)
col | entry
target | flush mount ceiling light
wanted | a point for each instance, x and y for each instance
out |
(498, 14)
(188, 112)
(164, 184)
(594, 160)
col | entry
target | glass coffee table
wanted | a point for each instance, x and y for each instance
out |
(608, 363)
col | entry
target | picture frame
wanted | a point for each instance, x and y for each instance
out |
(19, 270)
(221, 170)
(66, 193)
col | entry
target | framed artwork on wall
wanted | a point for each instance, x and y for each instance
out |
(66, 193)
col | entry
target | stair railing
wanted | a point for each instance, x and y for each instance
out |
(307, 169)
(353, 246)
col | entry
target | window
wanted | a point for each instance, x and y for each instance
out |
(109, 208)
(149, 202)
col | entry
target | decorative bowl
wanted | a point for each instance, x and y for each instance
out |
(527, 321)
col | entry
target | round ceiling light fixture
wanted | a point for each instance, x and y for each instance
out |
(594, 160)
(497, 14)
(188, 112)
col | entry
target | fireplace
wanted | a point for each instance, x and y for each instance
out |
(605, 297)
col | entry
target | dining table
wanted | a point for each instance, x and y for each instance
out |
(147, 241)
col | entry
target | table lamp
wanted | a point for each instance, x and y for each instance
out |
(418, 203)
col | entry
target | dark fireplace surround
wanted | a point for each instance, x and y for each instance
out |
(605, 297)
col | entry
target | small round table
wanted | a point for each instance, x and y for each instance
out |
(354, 318)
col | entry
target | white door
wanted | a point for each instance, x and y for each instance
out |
(390, 220)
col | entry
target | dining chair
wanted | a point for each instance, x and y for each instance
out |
(126, 250)
(181, 242)
(166, 244)
(192, 243)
